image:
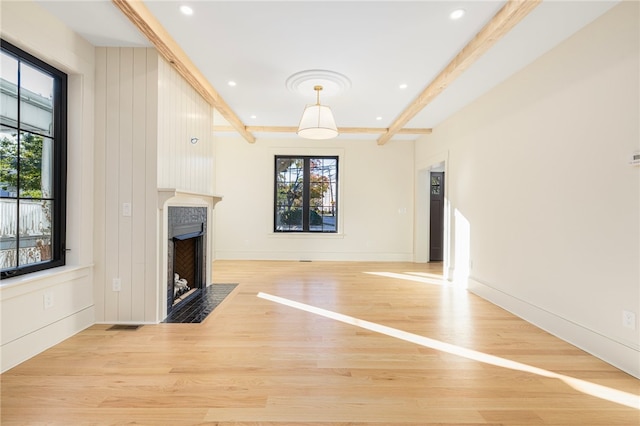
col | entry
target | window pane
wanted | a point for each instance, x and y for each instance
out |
(33, 98)
(8, 162)
(8, 228)
(36, 165)
(312, 193)
(35, 231)
(289, 194)
(36, 100)
(8, 90)
(289, 219)
(322, 194)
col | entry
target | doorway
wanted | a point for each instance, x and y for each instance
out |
(436, 216)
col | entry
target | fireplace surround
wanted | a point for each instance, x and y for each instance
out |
(185, 201)
(186, 253)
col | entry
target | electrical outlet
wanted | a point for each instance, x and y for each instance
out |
(116, 284)
(48, 300)
(629, 319)
(126, 209)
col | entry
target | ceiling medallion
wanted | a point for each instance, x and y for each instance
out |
(332, 83)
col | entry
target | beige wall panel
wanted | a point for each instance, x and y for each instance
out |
(179, 112)
(112, 200)
(99, 248)
(181, 164)
(151, 242)
(139, 187)
(161, 125)
(165, 127)
(80, 106)
(131, 120)
(125, 182)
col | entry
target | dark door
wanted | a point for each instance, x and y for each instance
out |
(436, 213)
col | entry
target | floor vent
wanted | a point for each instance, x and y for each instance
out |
(128, 327)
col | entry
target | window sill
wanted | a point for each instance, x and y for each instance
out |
(307, 235)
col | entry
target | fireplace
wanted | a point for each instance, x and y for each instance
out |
(186, 260)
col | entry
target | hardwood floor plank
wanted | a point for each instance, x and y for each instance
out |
(393, 344)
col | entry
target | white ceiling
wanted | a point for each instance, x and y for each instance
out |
(377, 45)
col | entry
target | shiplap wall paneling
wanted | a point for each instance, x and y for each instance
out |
(166, 174)
(152, 251)
(99, 197)
(146, 115)
(125, 183)
(112, 196)
(138, 180)
(180, 94)
(127, 119)
(181, 164)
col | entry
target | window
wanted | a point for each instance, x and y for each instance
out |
(306, 197)
(32, 163)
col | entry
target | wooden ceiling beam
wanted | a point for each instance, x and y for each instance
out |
(142, 18)
(506, 18)
(341, 130)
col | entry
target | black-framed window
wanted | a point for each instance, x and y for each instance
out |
(33, 145)
(306, 194)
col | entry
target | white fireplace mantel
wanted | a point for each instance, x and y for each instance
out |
(165, 194)
(168, 197)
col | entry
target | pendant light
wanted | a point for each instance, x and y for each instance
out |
(317, 121)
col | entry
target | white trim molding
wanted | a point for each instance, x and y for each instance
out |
(626, 357)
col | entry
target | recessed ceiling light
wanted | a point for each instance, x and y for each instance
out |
(254, 116)
(378, 118)
(457, 14)
(231, 83)
(186, 10)
(403, 86)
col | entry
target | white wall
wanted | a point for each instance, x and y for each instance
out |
(375, 201)
(538, 171)
(27, 328)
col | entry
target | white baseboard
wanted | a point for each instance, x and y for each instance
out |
(313, 255)
(30, 345)
(619, 355)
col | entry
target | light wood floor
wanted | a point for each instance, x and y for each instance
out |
(460, 361)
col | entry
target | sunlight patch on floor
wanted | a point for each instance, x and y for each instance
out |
(593, 389)
(409, 276)
(427, 275)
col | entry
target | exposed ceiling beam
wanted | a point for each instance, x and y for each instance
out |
(142, 18)
(506, 18)
(342, 130)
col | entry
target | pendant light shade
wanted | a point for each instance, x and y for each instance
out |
(317, 121)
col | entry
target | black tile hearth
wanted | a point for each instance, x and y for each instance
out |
(201, 304)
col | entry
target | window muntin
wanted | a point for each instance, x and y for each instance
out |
(306, 196)
(32, 163)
